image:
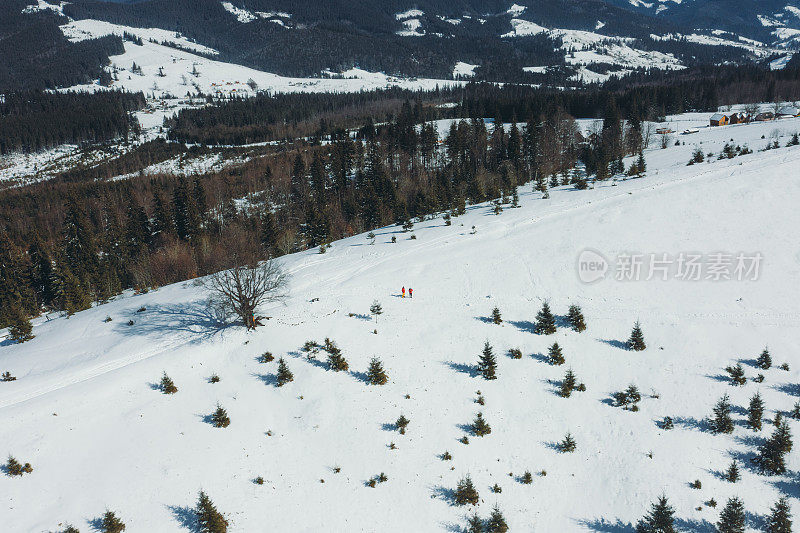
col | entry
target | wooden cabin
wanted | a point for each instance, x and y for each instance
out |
(720, 119)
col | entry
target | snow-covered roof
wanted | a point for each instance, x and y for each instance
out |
(718, 116)
(789, 110)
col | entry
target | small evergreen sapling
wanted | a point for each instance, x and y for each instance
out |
(636, 341)
(71, 529)
(568, 384)
(167, 385)
(402, 423)
(111, 524)
(475, 524)
(13, 468)
(515, 353)
(487, 365)
(732, 517)
(755, 412)
(376, 309)
(764, 360)
(732, 473)
(20, 328)
(336, 360)
(780, 519)
(208, 518)
(266, 357)
(554, 355)
(721, 421)
(545, 321)
(567, 445)
(667, 423)
(660, 518)
(375, 373)
(480, 427)
(527, 478)
(496, 317)
(497, 522)
(6, 376)
(575, 318)
(219, 418)
(465, 492)
(770, 459)
(736, 374)
(284, 375)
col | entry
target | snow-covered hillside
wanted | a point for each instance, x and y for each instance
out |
(85, 411)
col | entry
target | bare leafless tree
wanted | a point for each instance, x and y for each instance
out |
(241, 290)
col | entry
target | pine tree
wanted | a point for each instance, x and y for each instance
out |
(545, 321)
(209, 519)
(568, 384)
(755, 412)
(737, 374)
(71, 529)
(496, 318)
(641, 166)
(732, 517)
(497, 522)
(375, 373)
(336, 360)
(284, 375)
(167, 385)
(376, 309)
(465, 492)
(487, 365)
(567, 445)
(111, 524)
(770, 459)
(732, 473)
(721, 422)
(764, 360)
(20, 328)
(402, 423)
(480, 427)
(575, 318)
(660, 518)
(475, 524)
(13, 468)
(636, 342)
(555, 357)
(220, 418)
(269, 233)
(780, 520)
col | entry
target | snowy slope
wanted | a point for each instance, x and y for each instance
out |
(83, 411)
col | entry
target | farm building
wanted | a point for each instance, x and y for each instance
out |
(739, 118)
(765, 116)
(720, 119)
(788, 111)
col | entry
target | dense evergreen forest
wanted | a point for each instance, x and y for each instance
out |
(81, 238)
(35, 54)
(32, 120)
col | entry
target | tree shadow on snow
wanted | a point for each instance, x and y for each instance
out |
(313, 361)
(485, 319)
(700, 526)
(185, 516)
(523, 325)
(96, 524)
(792, 389)
(749, 362)
(693, 423)
(267, 379)
(445, 494)
(788, 484)
(542, 358)
(360, 316)
(719, 377)
(470, 370)
(601, 525)
(196, 318)
(615, 343)
(359, 376)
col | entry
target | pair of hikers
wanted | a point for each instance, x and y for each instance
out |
(410, 292)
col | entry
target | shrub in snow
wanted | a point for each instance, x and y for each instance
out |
(696, 484)
(284, 375)
(771, 455)
(496, 317)
(554, 355)
(736, 374)
(496, 488)
(311, 348)
(375, 373)
(628, 398)
(545, 321)
(784, 366)
(111, 524)
(259, 480)
(465, 492)
(220, 418)
(464, 440)
(527, 478)
(14, 468)
(336, 360)
(515, 353)
(732, 517)
(213, 379)
(7, 377)
(764, 360)
(795, 411)
(660, 518)
(446, 456)
(568, 384)
(487, 365)
(721, 420)
(71, 529)
(575, 318)
(475, 524)
(402, 423)
(167, 385)
(636, 341)
(480, 400)
(266, 357)
(375, 309)
(208, 518)
(480, 427)
(667, 423)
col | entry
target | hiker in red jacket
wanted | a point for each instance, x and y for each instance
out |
(403, 290)
(410, 292)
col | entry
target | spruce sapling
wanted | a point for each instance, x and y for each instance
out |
(219, 418)
(568, 384)
(465, 492)
(660, 518)
(111, 524)
(167, 385)
(732, 517)
(487, 365)
(496, 317)
(575, 318)
(567, 445)
(764, 360)
(755, 412)
(780, 519)
(721, 421)
(284, 375)
(554, 355)
(497, 522)
(375, 373)
(545, 321)
(732, 473)
(636, 341)
(208, 518)
(736, 374)
(480, 427)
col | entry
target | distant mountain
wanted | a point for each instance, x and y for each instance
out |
(532, 41)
